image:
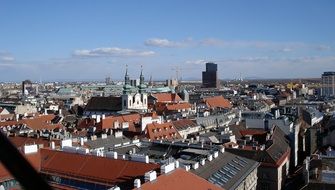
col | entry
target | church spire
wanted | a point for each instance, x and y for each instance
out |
(141, 76)
(126, 77)
(126, 86)
(142, 88)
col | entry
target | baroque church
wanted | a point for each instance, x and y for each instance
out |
(134, 99)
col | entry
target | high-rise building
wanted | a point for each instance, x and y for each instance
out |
(210, 76)
(328, 84)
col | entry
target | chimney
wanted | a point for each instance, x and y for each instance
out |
(81, 141)
(203, 161)
(222, 149)
(177, 164)
(104, 136)
(195, 165)
(98, 118)
(27, 149)
(210, 157)
(137, 183)
(192, 140)
(216, 154)
(150, 176)
(118, 134)
(166, 168)
(111, 155)
(52, 145)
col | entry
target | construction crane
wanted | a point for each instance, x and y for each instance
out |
(179, 71)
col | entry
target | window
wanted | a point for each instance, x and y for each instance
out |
(129, 102)
(124, 103)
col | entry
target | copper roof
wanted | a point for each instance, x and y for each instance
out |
(179, 179)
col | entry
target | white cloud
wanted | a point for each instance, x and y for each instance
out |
(323, 47)
(284, 47)
(161, 42)
(112, 52)
(196, 62)
(6, 57)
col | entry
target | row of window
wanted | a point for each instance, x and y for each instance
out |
(159, 129)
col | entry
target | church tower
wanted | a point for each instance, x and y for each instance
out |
(131, 100)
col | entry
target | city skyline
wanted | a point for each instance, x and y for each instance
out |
(84, 40)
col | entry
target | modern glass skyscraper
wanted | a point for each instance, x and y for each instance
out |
(210, 76)
(328, 84)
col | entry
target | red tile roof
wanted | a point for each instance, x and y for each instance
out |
(161, 107)
(178, 106)
(167, 97)
(156, 131)
(153, 114)
(6, 116)
(86, 123)
(184, 123)
(252, 132)
(92, 168)
(217, 102)
(36, 123)
(34, 159)
(108, 122)
(21, 141)
(179, 179)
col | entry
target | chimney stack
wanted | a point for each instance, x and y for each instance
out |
(137, 183)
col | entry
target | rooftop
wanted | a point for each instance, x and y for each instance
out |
(227, 170)
(92, 168)
(179, 179)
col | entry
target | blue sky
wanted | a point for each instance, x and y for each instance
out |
(78, 39)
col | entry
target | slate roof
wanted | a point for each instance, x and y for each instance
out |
(275, 152)
(108, 142)
(107, 104)
(227, 170)
(183, 124)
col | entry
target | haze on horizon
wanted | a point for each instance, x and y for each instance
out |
(78, 40)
